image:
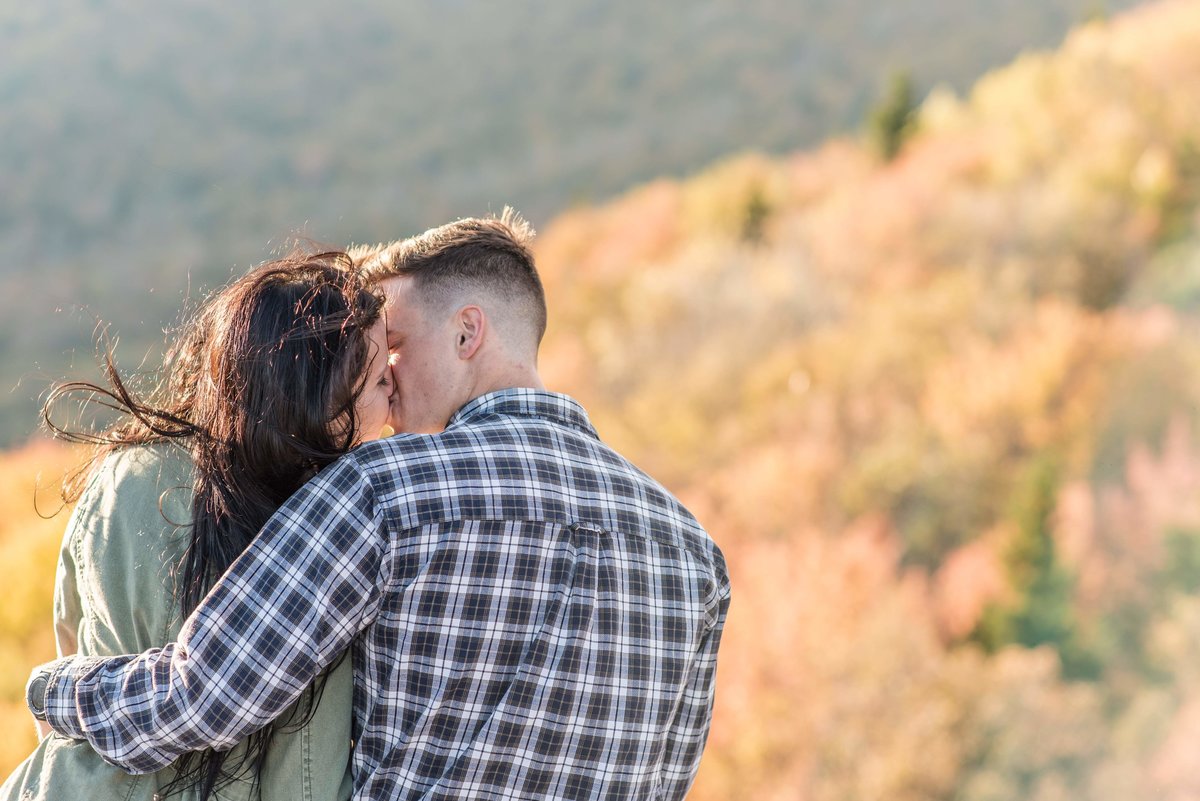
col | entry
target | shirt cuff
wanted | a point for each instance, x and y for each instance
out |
(50, 693)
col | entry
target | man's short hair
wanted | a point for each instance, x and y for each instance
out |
(491, 254)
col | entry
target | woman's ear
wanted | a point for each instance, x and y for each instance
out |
(471, 324)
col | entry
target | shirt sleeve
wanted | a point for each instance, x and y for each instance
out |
(689, 730)
(287, 608)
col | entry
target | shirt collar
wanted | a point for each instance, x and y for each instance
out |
(525, 402)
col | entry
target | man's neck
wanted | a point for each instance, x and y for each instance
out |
(521, 377)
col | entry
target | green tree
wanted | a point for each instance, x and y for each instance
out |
(1042, 613)
(754, 217)
(892, 121)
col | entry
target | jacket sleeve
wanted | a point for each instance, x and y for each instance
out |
(67, 609)
(113, 589)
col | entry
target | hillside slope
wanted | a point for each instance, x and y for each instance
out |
(942, 414)
(148, 150)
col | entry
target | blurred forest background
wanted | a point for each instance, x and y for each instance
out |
(150, 147)
(933, 382)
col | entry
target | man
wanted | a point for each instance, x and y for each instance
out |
(529, 615)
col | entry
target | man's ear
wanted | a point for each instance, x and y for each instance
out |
(471, 325)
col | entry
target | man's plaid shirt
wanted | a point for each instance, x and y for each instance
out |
(529, 615)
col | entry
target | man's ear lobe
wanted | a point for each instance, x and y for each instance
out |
(472, 323)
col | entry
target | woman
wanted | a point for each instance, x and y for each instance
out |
(275, 377)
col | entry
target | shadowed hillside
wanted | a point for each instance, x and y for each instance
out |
(148, 150)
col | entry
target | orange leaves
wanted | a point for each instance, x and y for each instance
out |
(598, 246)
(850, 398)
(1037, 387)
(971, 578)
(822, 650)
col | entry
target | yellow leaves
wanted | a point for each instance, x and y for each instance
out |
(28, 542)
(733, 199)
(1158, 41)
(1036, 387)
(942, 112)
(591, 247)
(1092, 134)
(1175, 643)
(1154, 175)
(28, 553)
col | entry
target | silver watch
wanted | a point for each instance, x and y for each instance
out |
(35, 693)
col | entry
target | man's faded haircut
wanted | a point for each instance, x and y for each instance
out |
(491, 254)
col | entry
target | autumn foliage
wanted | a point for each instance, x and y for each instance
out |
(943, 416)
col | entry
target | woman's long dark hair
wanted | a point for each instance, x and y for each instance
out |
(261, 386)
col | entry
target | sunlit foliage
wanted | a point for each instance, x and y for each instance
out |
(943, 416)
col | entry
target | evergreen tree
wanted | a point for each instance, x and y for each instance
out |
(1042, 612)
(893, 119)
(754, 217)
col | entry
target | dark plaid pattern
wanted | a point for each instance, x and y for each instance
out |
(529, 615)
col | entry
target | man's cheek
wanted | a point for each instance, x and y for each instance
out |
(394, 412)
